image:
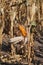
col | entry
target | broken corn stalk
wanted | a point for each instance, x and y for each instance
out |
(22, 29)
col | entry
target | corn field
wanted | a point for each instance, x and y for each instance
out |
(21, 32)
